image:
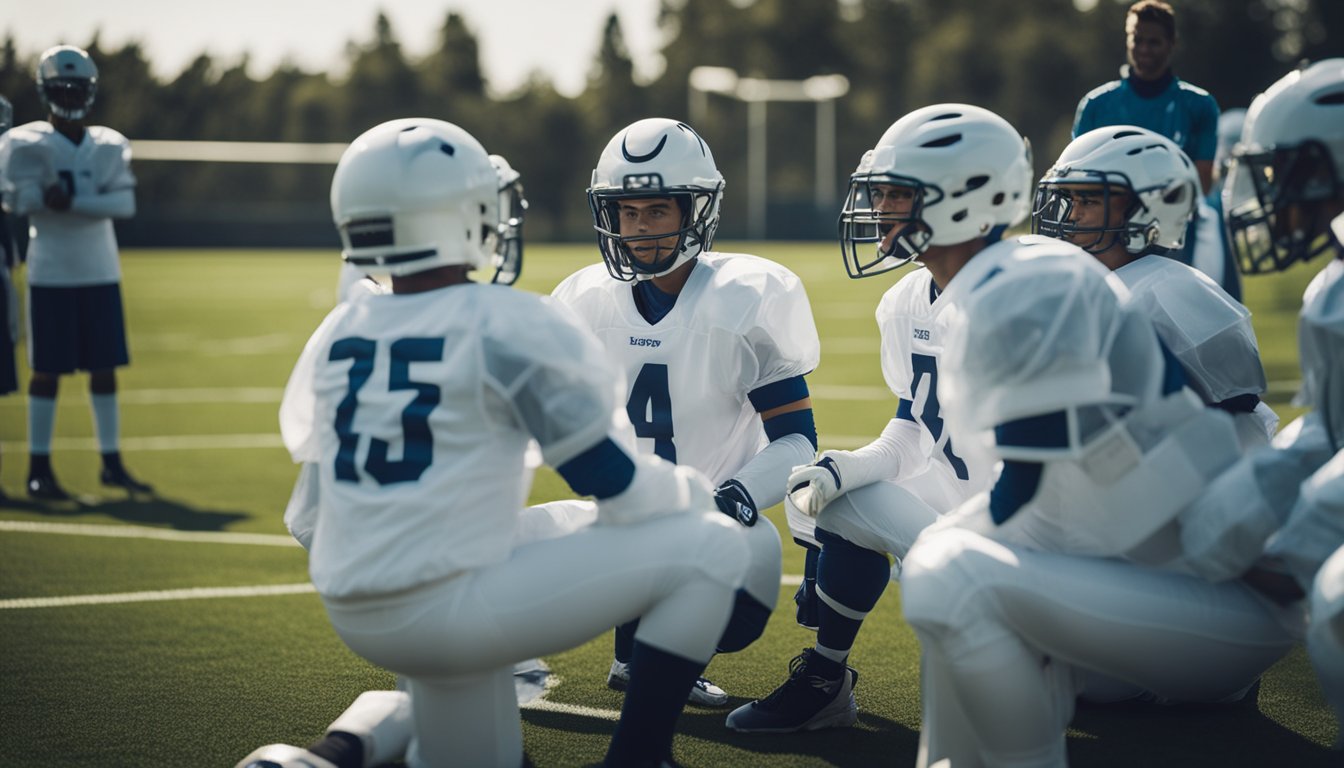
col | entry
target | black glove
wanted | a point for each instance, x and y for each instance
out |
(735, 502)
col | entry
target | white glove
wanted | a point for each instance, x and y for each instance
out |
(813, 486)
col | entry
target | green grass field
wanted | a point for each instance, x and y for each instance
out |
(158, 679)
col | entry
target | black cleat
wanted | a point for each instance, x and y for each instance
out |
(43, 487)
(118, 477)
(805, 702)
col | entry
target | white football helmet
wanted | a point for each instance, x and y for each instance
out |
(414, 194)
(1160, 180)
(655, 158)
(970, 175)
(508, 258)
(1291, 155)
(67, 81)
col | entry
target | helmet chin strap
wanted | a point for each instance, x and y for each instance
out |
(677, 262)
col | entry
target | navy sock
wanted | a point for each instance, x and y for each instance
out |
(810, 559)
(660, 682)
(344, 750)
(852, 576)
(826, 668)
(625, 641)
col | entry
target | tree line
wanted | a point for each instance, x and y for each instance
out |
(1030, 62)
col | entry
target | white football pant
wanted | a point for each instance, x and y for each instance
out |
(1008, 634)
(456, 641)
(1325, 636)
(885, 516)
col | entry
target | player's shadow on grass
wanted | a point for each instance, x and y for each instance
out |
(874, 741)
(141, 510)
(1155, 736)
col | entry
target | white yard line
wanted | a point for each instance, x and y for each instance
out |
(145, 532)
(176, 396)
(161, 443)
(199, 593)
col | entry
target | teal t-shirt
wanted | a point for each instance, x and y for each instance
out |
(1182, 112)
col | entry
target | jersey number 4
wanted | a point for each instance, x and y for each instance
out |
(931, 416)
(650, 409)
(418, 442)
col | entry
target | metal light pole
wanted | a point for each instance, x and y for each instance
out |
(822, 90)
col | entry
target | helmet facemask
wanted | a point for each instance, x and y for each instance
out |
(885, 210)
(1057, 202)
(508, 250)
(654, 158)
(69, 98)
(698, 211)
(1275, 205)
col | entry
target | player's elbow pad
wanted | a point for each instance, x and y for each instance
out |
(658, 488)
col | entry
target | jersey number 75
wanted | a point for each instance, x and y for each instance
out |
(418, 442)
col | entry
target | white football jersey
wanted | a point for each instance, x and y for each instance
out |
(1207, 330)
(65, 249)
(740, 322)
(912, 319)
(417, 410)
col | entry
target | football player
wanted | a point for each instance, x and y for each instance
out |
(1125, 195)
(9, 304)
(71, 180)
(714, 348)
(942, 185)
(1066, 577)
(1274, 520)
(411, 413)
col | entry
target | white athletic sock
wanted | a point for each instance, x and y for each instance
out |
(105, 421)
(837, 656)
(382, 721)
(41, 423)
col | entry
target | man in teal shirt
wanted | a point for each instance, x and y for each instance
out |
(1150, 96)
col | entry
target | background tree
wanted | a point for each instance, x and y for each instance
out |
(1030, 62)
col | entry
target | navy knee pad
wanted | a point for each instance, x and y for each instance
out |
(745, 625)
(851, 574)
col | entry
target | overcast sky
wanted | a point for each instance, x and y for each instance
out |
(558, 37)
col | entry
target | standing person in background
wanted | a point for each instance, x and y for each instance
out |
(9, 305)
(72, 180)
(1149, 95)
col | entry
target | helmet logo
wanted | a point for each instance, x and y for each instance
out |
(691, 131)
(642, 158)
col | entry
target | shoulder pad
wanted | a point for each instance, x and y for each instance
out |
(101, 134)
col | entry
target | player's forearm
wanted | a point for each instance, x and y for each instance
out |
(24, 198)
(109, 205)
(894, 455)
(766, 474)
